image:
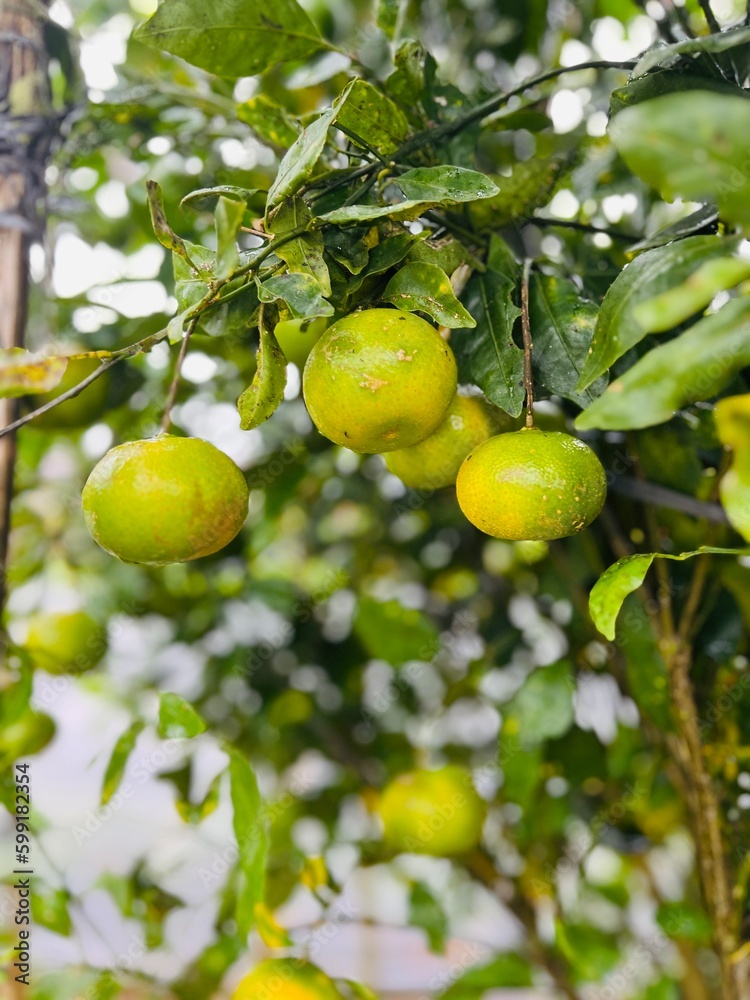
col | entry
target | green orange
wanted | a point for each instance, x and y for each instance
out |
(65, 642)
(531, 485)
(164, 500)
(297, 337)
(379, 380)
(434, 462)
(432, 812)
(286, 979)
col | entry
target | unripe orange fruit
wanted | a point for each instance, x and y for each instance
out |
(379, 380)
(286, 979)
(65, 642)
(297, 337)
(434, 462)
(531, 485)
(432, 812)
(168, 499)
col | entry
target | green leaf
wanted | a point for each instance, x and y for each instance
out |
(389, 631)
(426, 288)
(231, 37)
(16, 697)
(732, 417)
(348, 248)
(665, 82)
(228, 319)
(387, 15)
(373, 117)
(301, 292)
(692, 367)
(507, 970)
(384, 256)
(668, 55)
(529, 187)
(446, 185)
(119, 760)
(562, 324)
(703, 218)
(229, 215)
(693, 145)
(22, 372)
(206, 199)
(400, 211)
(625, 576)
(426, 912)
(162, 230)
(592, 952)
(303, 255)
(178, 720)
(263, 396)
(299, 162)
(252, 838)
(269, 121)
(543, 706)
(674, 306)
(489, 356)
(681, 920)
(650, 274)
(50, 910)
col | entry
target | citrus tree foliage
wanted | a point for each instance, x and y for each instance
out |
(306, 161)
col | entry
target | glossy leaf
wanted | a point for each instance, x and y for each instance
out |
(303, 255)
(231, 37)
(299, 162)
(226, 319)
(162, 230)
(22, 372)
(704, 218)
(626, 576)
(692, 145)
(674, 306)
(384, 256)
(269, 121)
(426, 288)
(650, 274)
(668, 55)
(646, 88)
(694, 366)
(446, 185)
(348, 248)
(562, 323)
(732, 417)
(401, 210)
(488, 356)
(229, 215)
(118, 761)
(252, 838)
(373, 117)
(301, 292)
(178, 720)
(206, 199)
(262, 397)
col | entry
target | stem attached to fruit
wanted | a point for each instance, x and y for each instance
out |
(528, 374)
(175, 385)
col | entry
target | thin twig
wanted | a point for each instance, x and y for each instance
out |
(175, 384)
(356, 138)
(528, 374)
(62, 398)
(584, 227)
(710, 17)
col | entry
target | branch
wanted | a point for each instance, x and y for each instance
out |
(661, 496)
(710, 17)
(528, 374)
(584, 227)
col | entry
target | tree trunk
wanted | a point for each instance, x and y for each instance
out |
(26, 131)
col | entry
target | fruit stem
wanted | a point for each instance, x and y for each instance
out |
(528, 375)
(172, 394)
